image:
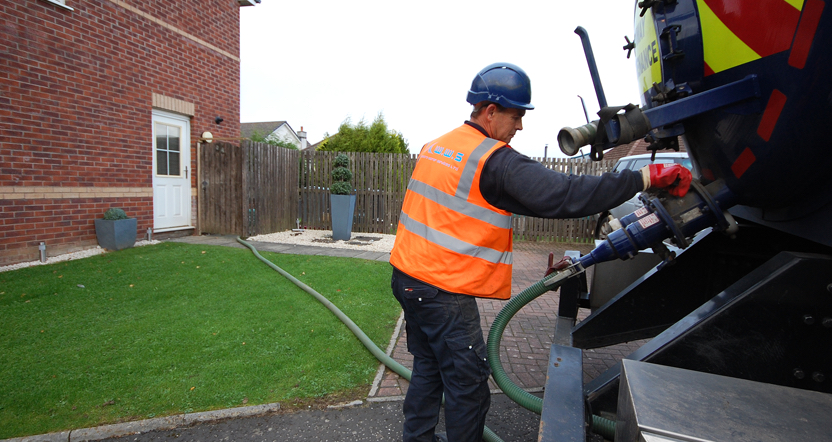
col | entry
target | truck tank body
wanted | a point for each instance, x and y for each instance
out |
(751, 307)
(774, 153)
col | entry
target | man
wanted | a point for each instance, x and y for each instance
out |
(454, 244)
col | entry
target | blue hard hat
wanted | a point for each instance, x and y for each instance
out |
(504, 84)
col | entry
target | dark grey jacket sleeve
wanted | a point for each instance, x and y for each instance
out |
(514, 182)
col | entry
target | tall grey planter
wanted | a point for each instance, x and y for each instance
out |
(116, 234)
(342, 207)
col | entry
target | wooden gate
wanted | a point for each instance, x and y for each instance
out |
(248, 189)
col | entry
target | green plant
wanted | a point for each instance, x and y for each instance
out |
(360, 137)
(341, 176)
(341, 161)
(115, 213)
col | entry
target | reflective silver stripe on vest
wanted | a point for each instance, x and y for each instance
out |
(453, 244)
(459, 205)
(466, 180)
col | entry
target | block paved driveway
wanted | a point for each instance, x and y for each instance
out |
(528, 336)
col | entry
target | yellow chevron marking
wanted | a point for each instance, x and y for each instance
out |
(723, 49)
(798, 4)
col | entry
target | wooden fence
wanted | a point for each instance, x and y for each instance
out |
(257, 189)
(527, 228)
(379, 180)
(248, 189)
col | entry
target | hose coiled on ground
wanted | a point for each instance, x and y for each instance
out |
(602, 426)
(488, 435)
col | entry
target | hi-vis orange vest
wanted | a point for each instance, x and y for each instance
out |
(448, 235)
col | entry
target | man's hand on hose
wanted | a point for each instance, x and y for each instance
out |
(673, 178)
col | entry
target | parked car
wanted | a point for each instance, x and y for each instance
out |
(636, 162)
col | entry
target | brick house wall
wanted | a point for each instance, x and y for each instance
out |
(77, 93)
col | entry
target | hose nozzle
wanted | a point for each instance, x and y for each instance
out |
(572, 139)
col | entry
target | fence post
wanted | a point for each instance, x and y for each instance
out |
(244, 189)
(200, 192)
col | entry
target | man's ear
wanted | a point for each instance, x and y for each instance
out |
(490, 111)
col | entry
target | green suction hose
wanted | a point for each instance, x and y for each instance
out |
(488, 435)
(377, 352)
(517, 394)
(603, 426)
(600, 425)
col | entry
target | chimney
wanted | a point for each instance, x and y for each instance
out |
(302, 136)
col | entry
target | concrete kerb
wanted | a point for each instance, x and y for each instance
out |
(380, 373)
(146, 425)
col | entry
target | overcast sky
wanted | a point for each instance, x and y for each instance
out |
(316, 63)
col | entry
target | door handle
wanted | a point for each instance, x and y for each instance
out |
(186, 172)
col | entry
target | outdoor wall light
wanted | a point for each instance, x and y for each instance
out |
(218, 120)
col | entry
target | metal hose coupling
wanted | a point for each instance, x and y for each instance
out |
(571, 139)
(664, 217)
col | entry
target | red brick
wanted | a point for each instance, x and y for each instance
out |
(79, 115)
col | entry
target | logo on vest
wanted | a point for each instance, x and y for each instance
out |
(436, 153)
(435, 148)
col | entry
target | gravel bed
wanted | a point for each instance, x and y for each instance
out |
(68, 257)
(375, 242)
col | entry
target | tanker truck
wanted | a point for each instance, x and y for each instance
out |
(738, 319)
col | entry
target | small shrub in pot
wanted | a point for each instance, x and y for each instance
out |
(116, 231)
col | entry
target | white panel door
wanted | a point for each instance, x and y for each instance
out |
(171, 171)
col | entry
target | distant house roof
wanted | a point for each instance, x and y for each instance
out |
(314, 146)
(263, 128)
(618, 152)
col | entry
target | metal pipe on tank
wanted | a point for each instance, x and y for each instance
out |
(593, 68)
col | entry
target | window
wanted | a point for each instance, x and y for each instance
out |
(622, 165)
(167, 150)
(61, 3)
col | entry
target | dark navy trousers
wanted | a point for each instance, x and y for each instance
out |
(449, 356)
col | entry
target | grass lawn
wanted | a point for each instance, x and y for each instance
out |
(174, 328)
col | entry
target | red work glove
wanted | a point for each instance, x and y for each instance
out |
(673, 178)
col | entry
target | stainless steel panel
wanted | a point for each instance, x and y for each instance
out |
(685, 405)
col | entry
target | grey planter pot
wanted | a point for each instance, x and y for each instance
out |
(116, 234)
(342, 207)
